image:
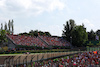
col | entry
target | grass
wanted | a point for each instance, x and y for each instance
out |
(47, 51)
(35, 51)
(31, 53)
(9, 54)
(15, 54)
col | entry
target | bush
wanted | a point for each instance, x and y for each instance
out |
(90, 44)
(5, 48)
(0, 49)
(98, 43)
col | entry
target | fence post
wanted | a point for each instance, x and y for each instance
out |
(19, 59)
(25, 59)
(26, 62)
(47, 55)
(5, 61)
(37, 57)
(16, 60)
(9, 60)
(13, 60)
(32, 57)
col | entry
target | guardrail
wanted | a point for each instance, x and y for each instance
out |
(30, 58)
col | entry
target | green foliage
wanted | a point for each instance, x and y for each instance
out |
(1, 26)
(5, 27)
(3, 38)
(12, 26)
(9, 28)
(47, 33)
(91, 35)
(9, 25)
(90, 44)
(68, 28)
(40, 33)
(1, 49)
(98, 32)
(87, 46)
(79, 36)
(5, 48)
(36, 33)
(98, 43)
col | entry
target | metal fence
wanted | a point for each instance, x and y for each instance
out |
(27, 60)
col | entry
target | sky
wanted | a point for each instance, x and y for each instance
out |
(49, 15)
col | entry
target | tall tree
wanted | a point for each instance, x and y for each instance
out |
(3, 38)
(47, 33)
(91, 35)
(9, 26)
(12, 26)
(31, 33)
(35, 33)
(68, 28)
(79, 36)
(41, 33)
(1, 26)
(5, 26)
(98, 32)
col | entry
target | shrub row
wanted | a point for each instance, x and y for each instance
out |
(34, 51)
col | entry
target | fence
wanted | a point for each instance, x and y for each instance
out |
(29, 59)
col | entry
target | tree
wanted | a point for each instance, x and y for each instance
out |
(35, 33)
(5, 26)
(9, 26)
(31, 33)
(25, 33)
(91, 35)
(47, 33)
(12, 26)
(90, 44)
(1, 26)
(41, 33)
(98, 43)
(98, 32)
(68, 28)
(3, 38)
(79, 36)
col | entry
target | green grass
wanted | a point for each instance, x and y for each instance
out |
(15, 54)
(9, 54)
(48, 51)
(36, 51)
(31, 53)
(42, 51)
